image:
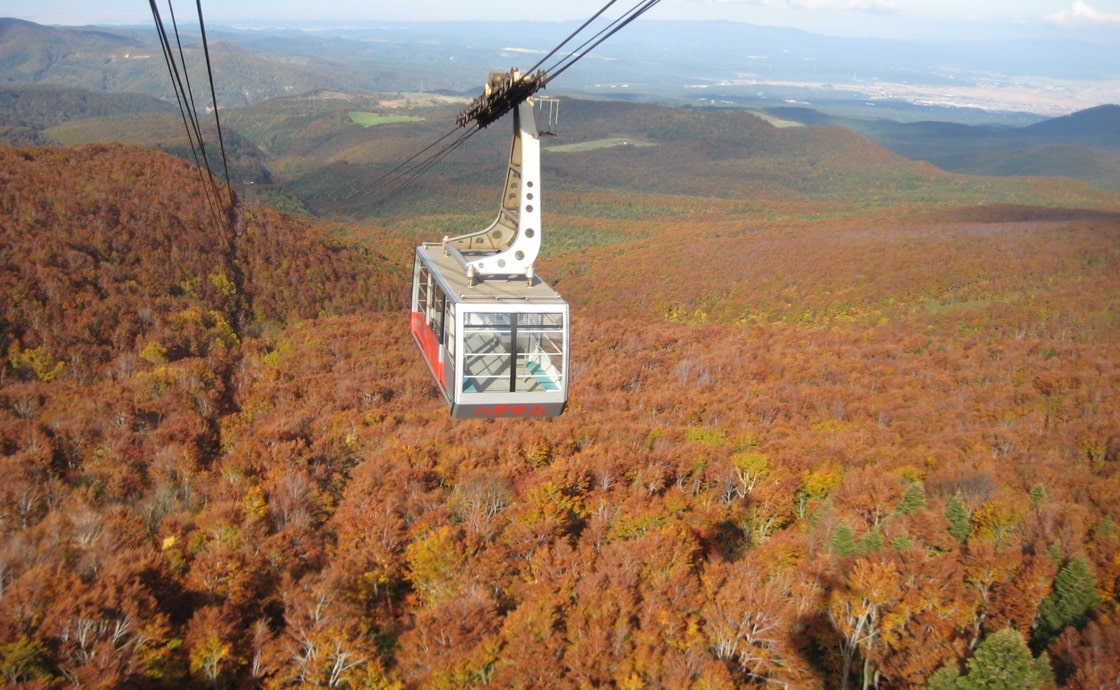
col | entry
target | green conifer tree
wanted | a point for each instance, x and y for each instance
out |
(1004, 662)
(842, 541)
(957, 515)
(913, 499)
(871, 542)
(1070, 603)
(944, 678)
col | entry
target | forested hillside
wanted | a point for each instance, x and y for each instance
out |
(253, 64)
(810, 443)
(1084, 145)
(40, 107)
(326, 152)
(320, 155)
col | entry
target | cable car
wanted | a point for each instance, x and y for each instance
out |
(493, 334)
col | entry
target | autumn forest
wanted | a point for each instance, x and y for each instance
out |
(837, 420)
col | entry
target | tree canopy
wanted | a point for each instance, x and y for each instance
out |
(225, 466)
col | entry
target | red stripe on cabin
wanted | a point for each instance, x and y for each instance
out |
(429, 347)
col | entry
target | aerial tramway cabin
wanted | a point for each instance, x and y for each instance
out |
(494, 335)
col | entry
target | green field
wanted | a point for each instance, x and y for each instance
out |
(607, 143)
(371, 119)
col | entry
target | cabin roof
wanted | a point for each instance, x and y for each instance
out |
(453, 277)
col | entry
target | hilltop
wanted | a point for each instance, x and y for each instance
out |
(110, 247)
(252, 66)
(1084, 145)
(1096, 127)
(30, 51)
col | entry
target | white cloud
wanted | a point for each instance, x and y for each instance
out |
(1081, 12)
(876, 6)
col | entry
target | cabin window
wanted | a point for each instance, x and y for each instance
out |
(540, 352)
(438, 312)
(431, 302)
(505, 352)
(449, 328)
(487, 352)
(420, 294)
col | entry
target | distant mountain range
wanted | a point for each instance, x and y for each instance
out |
(1097, 127)
(130, 60)
(662, 61)
(1084, 145)
(69, 76)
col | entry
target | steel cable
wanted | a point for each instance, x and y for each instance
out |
(400, 177)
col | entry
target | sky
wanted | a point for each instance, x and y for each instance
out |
(906, 19)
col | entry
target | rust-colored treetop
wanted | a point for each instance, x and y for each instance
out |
(873, 449)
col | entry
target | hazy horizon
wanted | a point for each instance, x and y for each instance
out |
(884, 19)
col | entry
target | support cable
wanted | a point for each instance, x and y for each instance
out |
(184, 99)
(593, 42)
(500, 98)
(571, 36)
(186, 88)
(411, 174)
(176, 82)
(184, 96)
(211, 190)
(214, 101)
(392, 179)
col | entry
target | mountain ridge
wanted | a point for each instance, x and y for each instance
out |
(378, 60)
(1084, 145)
(693, 62)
